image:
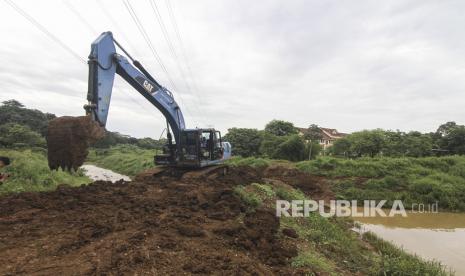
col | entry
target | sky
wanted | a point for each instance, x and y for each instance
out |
(349, 65)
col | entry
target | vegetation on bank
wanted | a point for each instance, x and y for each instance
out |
(329, 246)
(29, 172)
(426, 180)
(124, 159)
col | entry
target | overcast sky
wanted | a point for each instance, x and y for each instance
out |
(349, 65)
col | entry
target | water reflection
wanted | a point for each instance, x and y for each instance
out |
(419, 220)
(433, 236)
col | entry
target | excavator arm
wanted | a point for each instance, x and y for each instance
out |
(104, 63)
(68, 138)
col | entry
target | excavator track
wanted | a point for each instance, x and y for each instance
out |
(210, 172)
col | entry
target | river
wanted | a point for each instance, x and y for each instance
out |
(433, 236)
(96, 173)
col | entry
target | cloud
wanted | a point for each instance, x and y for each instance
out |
(347, 65)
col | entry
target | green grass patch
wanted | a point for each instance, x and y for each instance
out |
(29, 172)
(251, 199)
(394, 261)
(413, 180)
(316, 261)
(124, 159)
(255, 194)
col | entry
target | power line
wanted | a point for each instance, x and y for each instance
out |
(92, 30)
(146, 37)
(172, 49)
(78, 15)
(116, 25)
(182, 47)
(44, 30)
(53, 37)
(149, 43)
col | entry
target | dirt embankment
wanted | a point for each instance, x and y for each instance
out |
(164, 225)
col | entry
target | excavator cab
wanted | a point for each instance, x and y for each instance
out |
(197, 148)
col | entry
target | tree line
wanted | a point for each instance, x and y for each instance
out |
(24, 127)
(448, 139)
(281, 140)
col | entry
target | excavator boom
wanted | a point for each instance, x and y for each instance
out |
(192, 147)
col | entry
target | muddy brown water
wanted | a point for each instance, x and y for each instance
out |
(433, 236)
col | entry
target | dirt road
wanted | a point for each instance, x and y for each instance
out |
(164, 225)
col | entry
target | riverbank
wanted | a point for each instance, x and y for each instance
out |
(428, 180)
(433, 236)
(329, 244)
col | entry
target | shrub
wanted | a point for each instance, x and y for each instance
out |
(124, 159)
(29, 172)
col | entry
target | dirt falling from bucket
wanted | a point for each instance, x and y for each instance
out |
(68, 141)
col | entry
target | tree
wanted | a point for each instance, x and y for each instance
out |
(449, 137)
(417, 144)
(292, 149)
(394, 143)
(455, 140)
(366, 142)
(446, 128)
(147, 143)
(270, 143)
(12, 103)
(312, 150)
(13, 112)
(19, 135)
(312, 134)
(280, 128)
(341, 147)
(245, 142)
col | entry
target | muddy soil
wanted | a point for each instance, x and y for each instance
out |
(170, 224)
(68, 141)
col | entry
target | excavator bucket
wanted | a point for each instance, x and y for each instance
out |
(68, 141)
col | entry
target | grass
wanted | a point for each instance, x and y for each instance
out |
(29, 172)
(328, 246)
(413, 180)
(314, 260)
(255, 194)
(124, 159)
(395, 261)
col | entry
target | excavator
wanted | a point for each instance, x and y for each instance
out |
(69, 138)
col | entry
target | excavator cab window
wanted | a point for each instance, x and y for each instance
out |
(206, 144)
(189, 144)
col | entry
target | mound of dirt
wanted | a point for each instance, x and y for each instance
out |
(68, 140)
(163, 225)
